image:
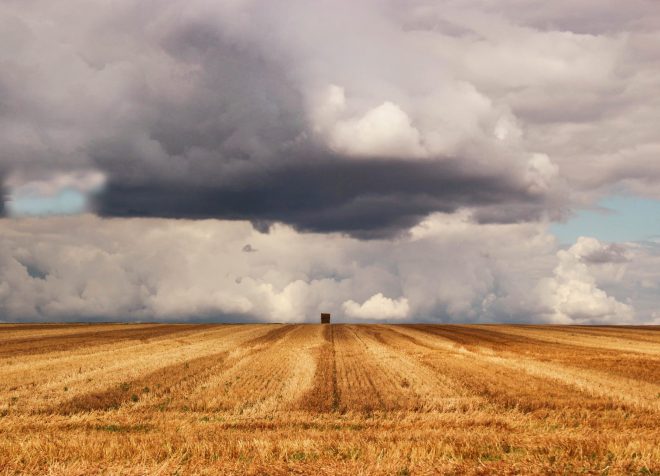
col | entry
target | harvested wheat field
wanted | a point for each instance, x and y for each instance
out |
(329, 399)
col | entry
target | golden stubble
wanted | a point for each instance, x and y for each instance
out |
(329, 399)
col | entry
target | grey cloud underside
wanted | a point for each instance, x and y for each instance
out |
(611, 253)
(367, 198)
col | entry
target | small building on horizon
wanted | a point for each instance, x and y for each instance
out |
(325, 318)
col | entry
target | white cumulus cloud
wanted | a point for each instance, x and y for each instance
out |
(573, 295)
(378, 307)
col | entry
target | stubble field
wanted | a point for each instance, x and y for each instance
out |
(313, 399)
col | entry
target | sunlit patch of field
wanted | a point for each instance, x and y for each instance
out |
(328, 399)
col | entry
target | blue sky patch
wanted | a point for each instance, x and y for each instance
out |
(615, 218)
(65, 202)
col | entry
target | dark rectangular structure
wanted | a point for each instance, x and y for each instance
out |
(325, 318)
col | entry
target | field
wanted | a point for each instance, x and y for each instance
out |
(314, 399)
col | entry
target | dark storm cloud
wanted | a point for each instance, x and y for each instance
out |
(367, 198)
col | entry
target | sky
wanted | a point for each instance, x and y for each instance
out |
(614, 218)
(385, 161)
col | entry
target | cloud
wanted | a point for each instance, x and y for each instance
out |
(80, 180)
(641, 285)
(189, 101)
(385, 131)
(189, 98)
(447, 269)
(365, 198)
(573, 295)
(3, 198)
(594, 252)
(378, 307)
